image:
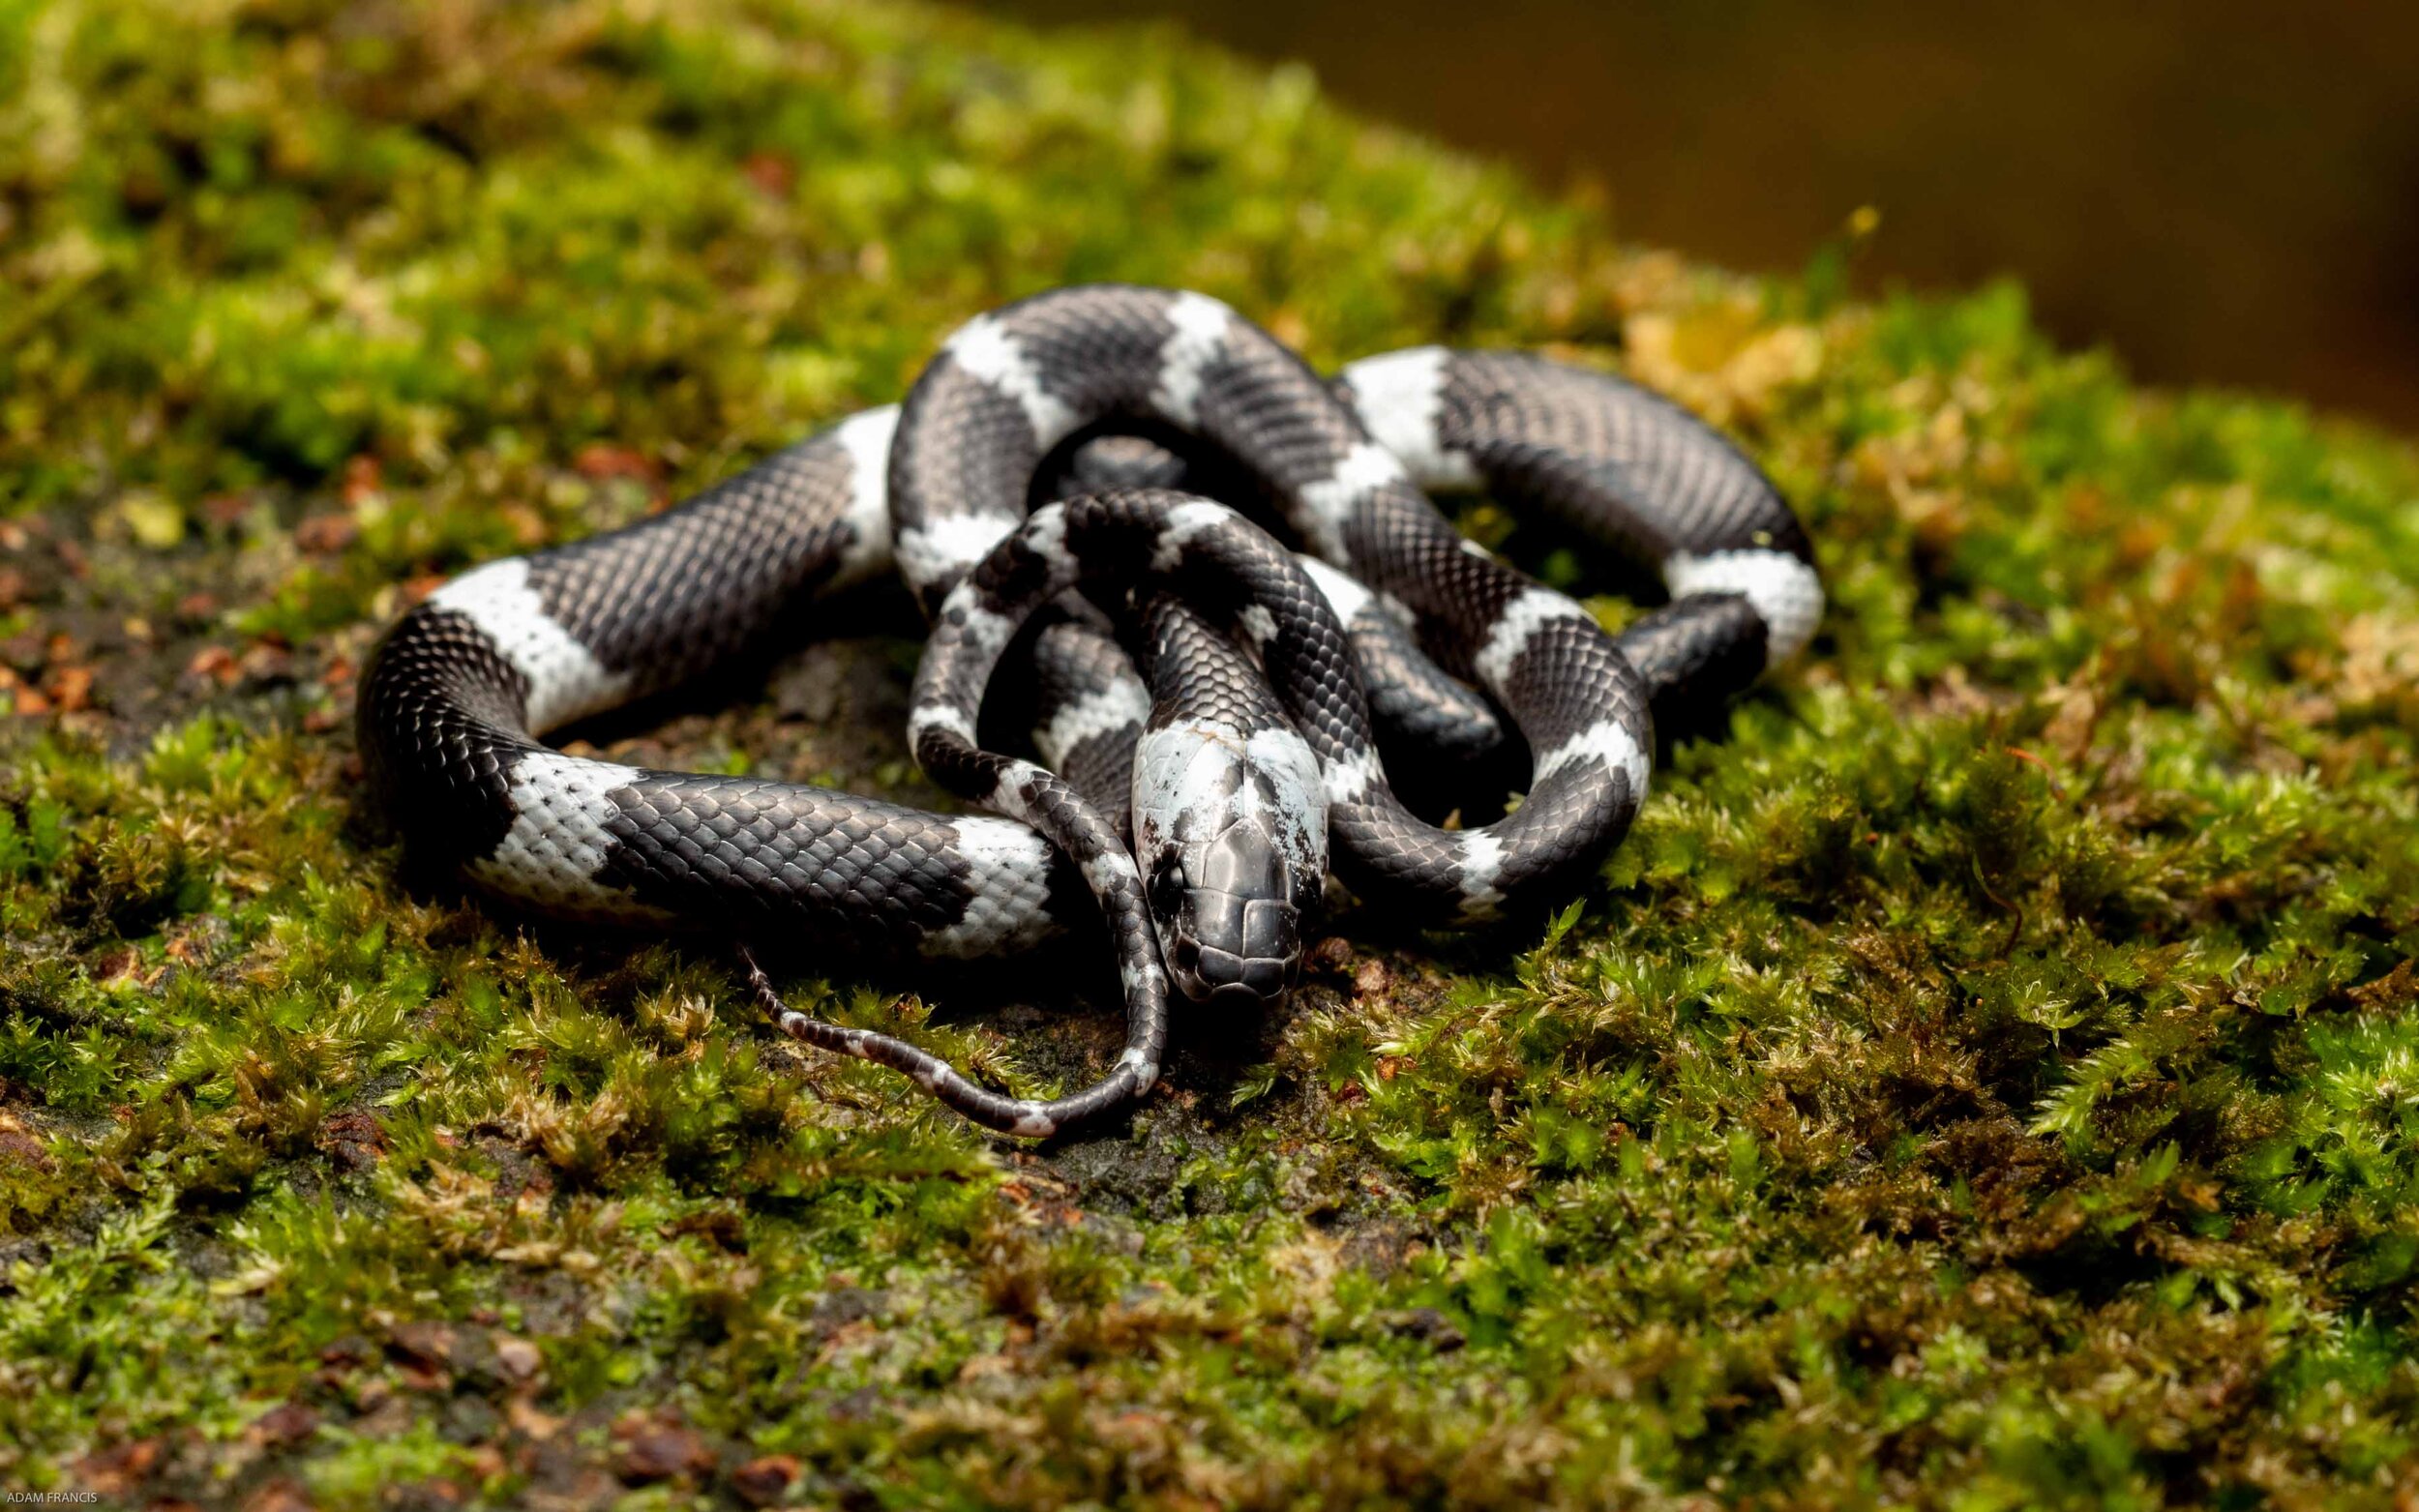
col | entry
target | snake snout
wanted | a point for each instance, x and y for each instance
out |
(1234, 935)
(1231, 948)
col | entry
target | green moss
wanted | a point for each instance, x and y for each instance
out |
(1986, 1075)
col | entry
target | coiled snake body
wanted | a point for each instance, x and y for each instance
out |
(1248, 739)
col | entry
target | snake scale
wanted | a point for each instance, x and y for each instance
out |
(1212, 704)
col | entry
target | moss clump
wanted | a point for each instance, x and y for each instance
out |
(1989, 1074)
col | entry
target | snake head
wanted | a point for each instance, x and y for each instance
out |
(1231, 831)
(1227, 918)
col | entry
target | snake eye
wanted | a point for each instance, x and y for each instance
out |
(1167, 889)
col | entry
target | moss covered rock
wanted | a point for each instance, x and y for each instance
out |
(1989, 1074)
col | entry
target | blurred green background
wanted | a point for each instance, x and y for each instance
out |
(2228, 191)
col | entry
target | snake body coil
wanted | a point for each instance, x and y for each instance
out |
(1252, 748)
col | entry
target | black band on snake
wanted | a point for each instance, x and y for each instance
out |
(1246, 740)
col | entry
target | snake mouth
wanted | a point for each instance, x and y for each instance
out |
(1224, 948)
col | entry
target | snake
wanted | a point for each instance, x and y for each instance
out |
(1038, 492)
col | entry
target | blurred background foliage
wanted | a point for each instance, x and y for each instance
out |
(2224, 190)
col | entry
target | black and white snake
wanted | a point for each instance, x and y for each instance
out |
(1239, 749)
